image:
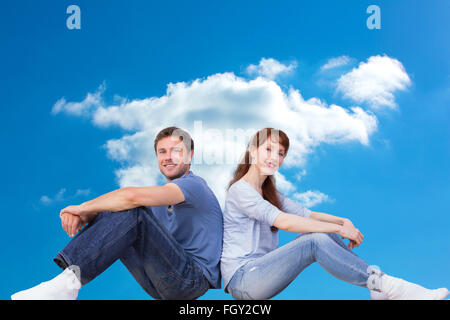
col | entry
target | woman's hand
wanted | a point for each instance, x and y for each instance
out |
(71, 223)
(348, 231)
(351, 244)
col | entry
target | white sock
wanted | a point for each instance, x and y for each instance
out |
(375, 295)
(65, 286)
(399, 289)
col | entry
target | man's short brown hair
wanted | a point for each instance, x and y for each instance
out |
(176, 132)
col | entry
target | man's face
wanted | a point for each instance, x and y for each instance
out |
(173, 157)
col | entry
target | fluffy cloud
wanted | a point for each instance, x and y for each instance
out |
(221, 112)
(310, 198)
(83, 108)
(270, 68)
(335, 63)
(374, 82)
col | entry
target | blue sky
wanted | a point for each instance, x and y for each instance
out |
(394, 186)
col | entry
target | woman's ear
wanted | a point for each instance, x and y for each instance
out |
(253, 152)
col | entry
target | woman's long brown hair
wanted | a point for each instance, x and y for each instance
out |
(269, 191)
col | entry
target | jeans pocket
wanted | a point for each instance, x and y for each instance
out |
(173, 287)
(236, 286)
(238, 294)
(203, 286)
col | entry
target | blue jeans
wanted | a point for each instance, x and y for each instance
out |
(136, 237)
(266, 276)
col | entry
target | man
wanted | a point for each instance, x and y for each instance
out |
(169, 237)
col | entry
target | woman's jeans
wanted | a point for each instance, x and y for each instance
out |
(136, 237)
(266, 276)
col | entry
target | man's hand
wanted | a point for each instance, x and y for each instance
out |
(71, 223)
(79, 211)
(349, 231)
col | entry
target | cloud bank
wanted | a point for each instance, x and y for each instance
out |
(223, 110)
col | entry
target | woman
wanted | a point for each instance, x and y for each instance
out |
(252, 265)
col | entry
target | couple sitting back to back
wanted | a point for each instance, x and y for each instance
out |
(176, 243)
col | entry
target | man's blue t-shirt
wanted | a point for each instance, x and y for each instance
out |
(197, 224)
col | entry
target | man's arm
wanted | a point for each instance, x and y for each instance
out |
(127, 198)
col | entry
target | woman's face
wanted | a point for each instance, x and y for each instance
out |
(268, 157)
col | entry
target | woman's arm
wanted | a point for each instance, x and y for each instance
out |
(294, 223)
(320, 216)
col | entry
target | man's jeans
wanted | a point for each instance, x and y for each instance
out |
(136, 237)
(266, 276)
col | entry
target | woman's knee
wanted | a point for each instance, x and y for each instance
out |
(316, 237)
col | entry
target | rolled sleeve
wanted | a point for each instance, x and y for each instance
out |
(252, 204)
(190, 187)
(289, 206)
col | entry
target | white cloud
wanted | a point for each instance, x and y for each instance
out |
(310, 198)
(335, 63)
(299, 176)
(82, 192)
(374, 82)
(46, 200)
(139, 175)
(214, 109)
(283, 185)
(83, 108)
(60, 196)
(270, 68)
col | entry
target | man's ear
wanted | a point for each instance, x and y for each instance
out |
(189, 159)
